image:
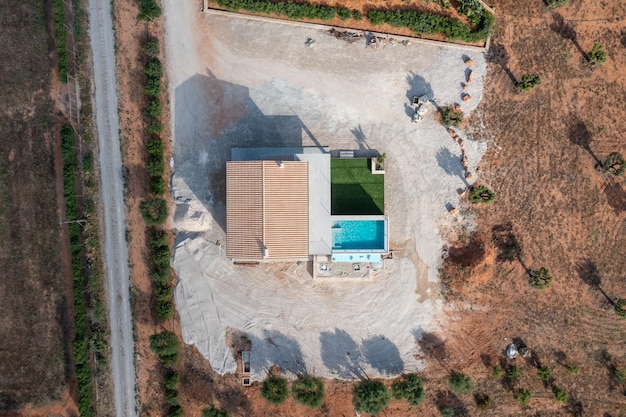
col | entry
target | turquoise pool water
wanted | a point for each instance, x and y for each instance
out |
(359, 235)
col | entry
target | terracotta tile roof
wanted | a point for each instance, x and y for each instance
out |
(267, 207)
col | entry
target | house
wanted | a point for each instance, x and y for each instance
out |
(299, 203)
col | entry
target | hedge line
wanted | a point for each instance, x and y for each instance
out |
(80, 344)
(60, 39)
(166, 344)
(418, 22)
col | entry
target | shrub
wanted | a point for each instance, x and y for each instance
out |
(573, 370)
(460, 383)
(154, 69)
(155, 167)
(172, 381)
(514, 372)
(153, 87)
(274, 390)
(155, 127)
(165, 344)
(162, 277)
(540, 278)
(151, 47)
(483, 401)
(164, 309)
(154, 211)
(620, 376)
(451, 116)
(553, 4)
(164, 293)
(171, 397)
(357, 15)
(446, 412)
(481, 194)
(60, 39)
(154, 109)
(497, 372)
(344, 14)
(370, 396)
(560, 395)
(544, 373)
(158, 239)
(148, 10)
(308, 390)
(155, 147)
(409, 387)
(620, 308)
(213, 411)
(176, 411)
(597, 55)
(522, 396)
(157, 185)
(529, 81)
(614, 164)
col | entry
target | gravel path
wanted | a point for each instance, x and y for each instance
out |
(116, 252)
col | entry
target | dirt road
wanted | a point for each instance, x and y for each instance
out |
(116, 252)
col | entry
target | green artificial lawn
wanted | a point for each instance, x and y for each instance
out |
(354, 190)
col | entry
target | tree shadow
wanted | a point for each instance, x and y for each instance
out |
(589, 274)
(487, 360)
(606, 359)
(418, 86)
(580, 135)
(498, 55)
(431, 345)
(451, 164)
(565, 29)
(615, 196)
(509, 248)
(623, 37)
(361, 140)
(383, 355)
(447, 399)
(275, 348)
(341, 354)
(575, 407)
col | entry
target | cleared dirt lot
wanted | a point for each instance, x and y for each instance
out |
(237, 82)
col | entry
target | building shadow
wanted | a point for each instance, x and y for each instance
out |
(451, 164)
(341, 354)
(580, 135)
(211, 116)
(615, 196)
(382, 355)
(498, 55)
(589, 274)
(566, 31)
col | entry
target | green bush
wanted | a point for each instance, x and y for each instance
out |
(155, 147)
(409, 387)
(153, 87)
(529, 81)
(155, 127)
(149, 10)
(597, 55)
(497, 372)
(60, 39)
(544, 373)
(176, 411)
(308, 390)
(213, 411)
(357, 15)
(172, 381)
(560, 395)
(620, 308)
(370, 396)
(171, 397)
(165, 344)
(162, 277)
(522, 396)
(154, 69)
(446, 412)
(481, 194)
(344, 14)
(154, 109)
(540, 278)
(483, 401)
(460, 383)
(155, 167)
(620, 376)
(514, 372)
(614, 164)
(157, 185)
(154, 211)
(164, 309)
(472, 9)
(553, 4)
(451, 116)
(274, 390)
(152, 47)
(164, 293)
(573, 370)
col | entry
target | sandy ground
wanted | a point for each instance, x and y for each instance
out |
(237, 82)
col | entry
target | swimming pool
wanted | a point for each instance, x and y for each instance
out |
(358, 235)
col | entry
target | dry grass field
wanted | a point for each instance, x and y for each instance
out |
(35, 320)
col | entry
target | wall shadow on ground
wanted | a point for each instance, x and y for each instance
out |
(211, 116)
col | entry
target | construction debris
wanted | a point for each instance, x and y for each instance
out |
(469, 62)
(309, 42)
(466, 97)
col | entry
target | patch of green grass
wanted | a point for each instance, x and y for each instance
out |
(354, 190)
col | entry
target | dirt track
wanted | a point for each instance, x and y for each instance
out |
(115, 249)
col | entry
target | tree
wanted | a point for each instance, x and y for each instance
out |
(544, 373)
(514, 372)
(148, 10)
(481, 194)
(540, 278)
(614, 164)
(620, 308)
(274, 389)
(451, 116)
(529, 81)
(597, 55)
(308, 390)
(171, 380)
(460, 383)
(560, 395)
(553, 4)
(165, 344)
(409, 387)
(151, 47)
(370, 396)
(213, 411)
(344, 14)
(522, 396)
(164, 309)
(154, 211)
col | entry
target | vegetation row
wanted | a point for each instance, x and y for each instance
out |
(419, 22)
(60, 39)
